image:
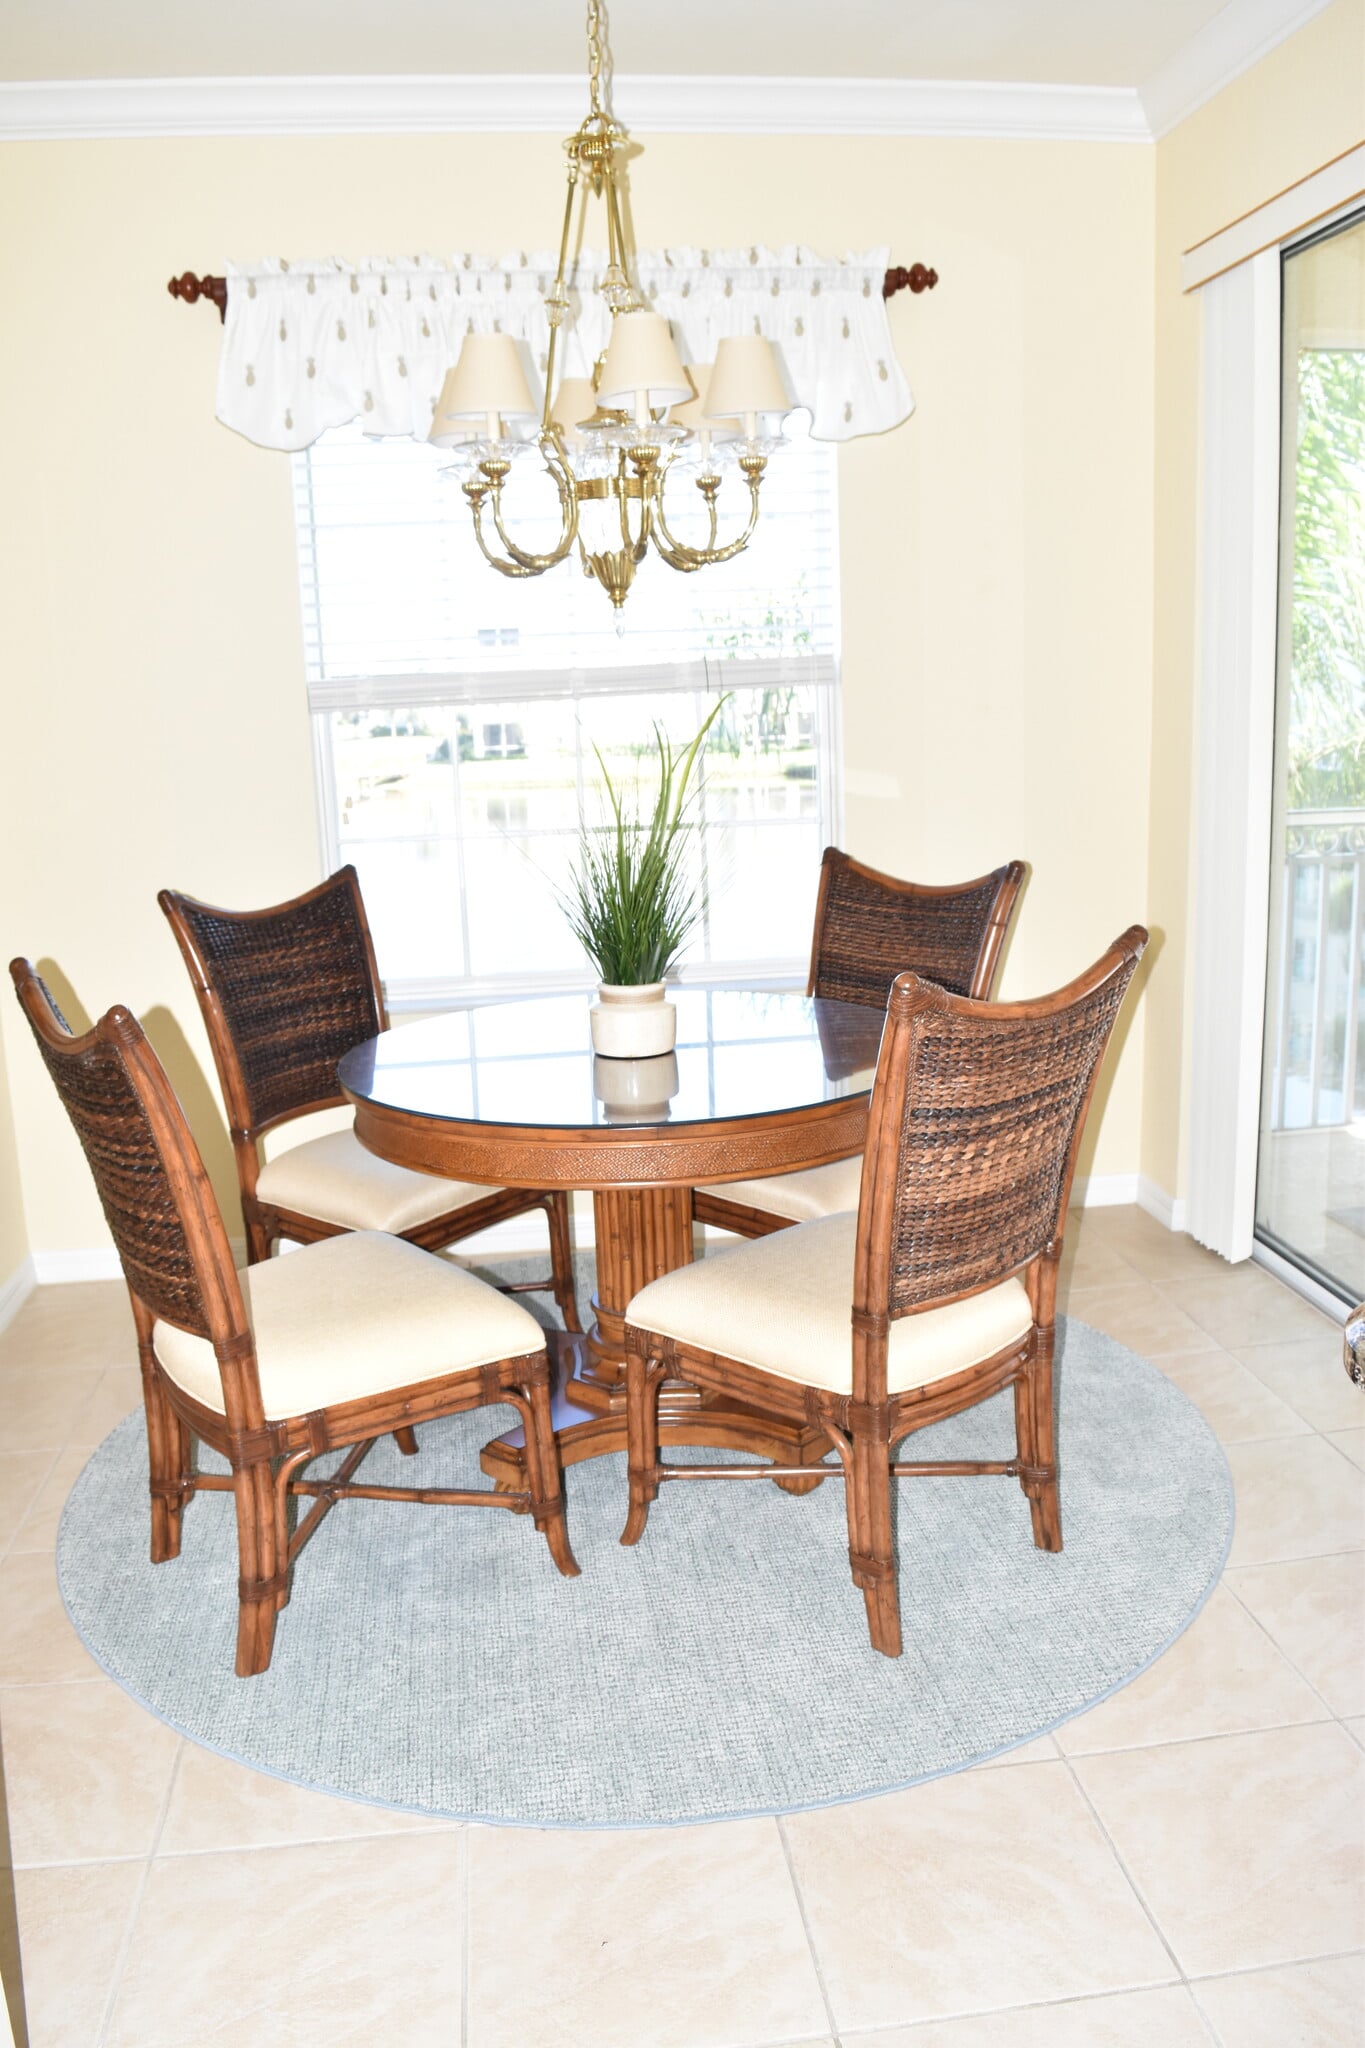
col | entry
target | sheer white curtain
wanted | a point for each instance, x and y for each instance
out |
(312, 345)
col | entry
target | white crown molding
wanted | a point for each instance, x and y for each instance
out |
(110, 109)
(1236, 38)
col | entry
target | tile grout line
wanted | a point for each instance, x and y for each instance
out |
(1129, 1879)
(1281, 1651)
(869, 2035)
(1336, 1955)
(1209, 1735)
(121, 1959)
(19, 1530)
(1327, 1437)
(780, 1822)
(1256, 1564)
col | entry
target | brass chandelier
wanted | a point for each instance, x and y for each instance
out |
(609, 441)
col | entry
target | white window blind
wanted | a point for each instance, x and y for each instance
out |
(459, 714)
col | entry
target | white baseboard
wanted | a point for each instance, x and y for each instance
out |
(93, 1262)
(1112, 1190)
(1105, 1191)
(15, 1291)
(1167, 1209)
(59, 1269)
(527, 1233)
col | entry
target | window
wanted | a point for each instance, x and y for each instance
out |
(459, 716)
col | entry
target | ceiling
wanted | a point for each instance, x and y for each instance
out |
(1058, 42)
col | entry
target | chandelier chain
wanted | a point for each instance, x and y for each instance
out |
(594, 56)
(609, 470)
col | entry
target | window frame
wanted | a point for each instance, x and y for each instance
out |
(440, 992)
(489, 690)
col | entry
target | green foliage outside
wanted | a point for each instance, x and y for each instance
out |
(783, 627)
(1326, 739)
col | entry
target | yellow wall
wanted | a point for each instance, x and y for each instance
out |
(996, 550)
(13, 1230)
(1293, 112)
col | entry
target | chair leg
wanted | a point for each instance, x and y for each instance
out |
(643, 1379)
(1045, 1508)
(545, 1476)
(1023, 1432)
(561, 1260)
(259, 1568)
(406, 1440)
(259, 1242)
(871, 1548)
(168, 1462)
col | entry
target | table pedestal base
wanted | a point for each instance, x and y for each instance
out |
(590, 1422)
(640, 1234)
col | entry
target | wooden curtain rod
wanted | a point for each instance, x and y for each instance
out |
(918, 278)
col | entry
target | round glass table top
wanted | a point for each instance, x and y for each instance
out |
(740, 1052)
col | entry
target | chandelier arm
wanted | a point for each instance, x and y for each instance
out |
(568, 508)
(678, 555)
(495, 561)
(536, 565)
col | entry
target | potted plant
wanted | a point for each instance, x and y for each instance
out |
(632, 904)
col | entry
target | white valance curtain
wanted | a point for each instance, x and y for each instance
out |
(313, 345)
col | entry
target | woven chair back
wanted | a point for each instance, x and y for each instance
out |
(284, 992)
(976, 1117)
(156, 1196)
(870, 927)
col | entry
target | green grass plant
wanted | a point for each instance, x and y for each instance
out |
(631, 902)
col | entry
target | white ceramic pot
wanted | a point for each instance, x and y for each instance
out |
(632, 1023)
(635, 1091)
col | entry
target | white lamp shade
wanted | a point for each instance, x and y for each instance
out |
(445, 431)
(693, 414)
(747, 378)
(641, 358)
(575, 401)
(488, 378)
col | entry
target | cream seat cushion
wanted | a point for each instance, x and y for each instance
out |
(784, 1303)
(815, 1191)
(335, 1179)
(353, 1316)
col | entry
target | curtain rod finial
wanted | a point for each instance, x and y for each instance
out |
(918, 278)
(189, 288)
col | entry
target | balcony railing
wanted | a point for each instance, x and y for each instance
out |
(1317, 1075)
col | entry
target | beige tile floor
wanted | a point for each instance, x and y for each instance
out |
(1183, 1865)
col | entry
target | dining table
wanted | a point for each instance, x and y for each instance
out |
(511, 1094)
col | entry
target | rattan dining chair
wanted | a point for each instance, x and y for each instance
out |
(937, 1293)
(870, 927)
(284, 992)
(352, 1338)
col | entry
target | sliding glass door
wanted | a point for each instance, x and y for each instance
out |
(1310, 1191)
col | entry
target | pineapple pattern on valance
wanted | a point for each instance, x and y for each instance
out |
(313, 345)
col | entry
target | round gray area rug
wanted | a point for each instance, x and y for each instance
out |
(434, 1660)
